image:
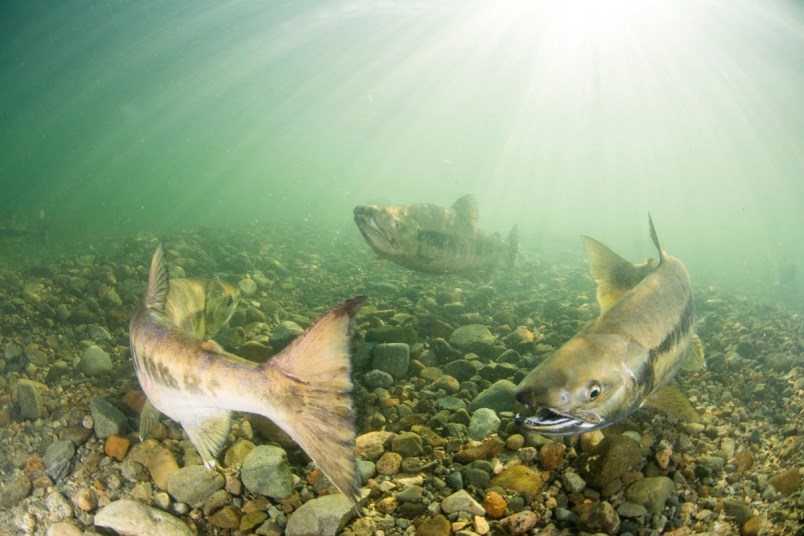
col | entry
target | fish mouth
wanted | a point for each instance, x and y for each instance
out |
(550, 421)
(373, 232)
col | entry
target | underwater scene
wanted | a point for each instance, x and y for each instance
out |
(402, 268)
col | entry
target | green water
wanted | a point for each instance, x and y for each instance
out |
(564, 117)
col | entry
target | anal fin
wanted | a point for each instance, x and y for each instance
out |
(671, 400)
(149, 417)
(208, 430)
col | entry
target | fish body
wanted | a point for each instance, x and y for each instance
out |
(201, 306)
(305, 389)
(434, 239)
(625, 358)
(20, 232)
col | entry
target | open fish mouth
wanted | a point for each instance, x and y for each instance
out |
(373, 232)
(550, 421)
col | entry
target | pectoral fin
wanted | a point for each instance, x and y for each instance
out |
(149, 417)
(208, 430)
(671, 400)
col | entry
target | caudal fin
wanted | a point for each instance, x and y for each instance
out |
(315, 389)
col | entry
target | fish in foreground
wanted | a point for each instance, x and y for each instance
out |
(625, 358)
(305, 389)
(433, 239)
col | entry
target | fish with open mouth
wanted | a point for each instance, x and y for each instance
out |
(305, 389)
(626, 357)
(434, 239)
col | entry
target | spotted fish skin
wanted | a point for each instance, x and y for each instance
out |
(626, 357)
(305, 389)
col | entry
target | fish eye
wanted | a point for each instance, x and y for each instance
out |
(593, 390)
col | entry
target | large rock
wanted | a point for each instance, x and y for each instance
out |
(499, 397)
(132, 518)
(324, 516)
(194, 484)
(609, 460)
(472, 338)
(392, 358)
(651, 492)
(266, 471)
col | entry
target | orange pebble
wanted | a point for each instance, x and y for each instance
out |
(494, 504)
(116, 447)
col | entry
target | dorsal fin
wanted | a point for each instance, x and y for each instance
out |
(614, 275)
(655, 238)
(466, 207)
(158, 283)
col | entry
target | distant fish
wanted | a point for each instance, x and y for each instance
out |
(201, 306)
(305, 389)
(22, 232)
(433, 239)
(626, 357)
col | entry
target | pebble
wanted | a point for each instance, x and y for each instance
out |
(58, 507)
(494, 504)
(448, 383)
(573, 482)
(323, 516)
(58, 457)
(389, 464)
(600, 517)
(461, 501)
(500, 396)
(227, 517)
(283, 334)
(378, 378)
(609, 461)
(519, 479)
(63, 528)
(434, 526)
(519, 523)
(488, 448)
(786, 482)
(551, 456)
(407, 444)
(392, 358)
(157, 459)
(85, 499)
(194, 484)
(131, 518)
(651, 492)
(29, 400)
(484, 422)
(472, 338)
(238, 452)
(266, 471)
(116, 447)
(95, 362)
(247, 286)
(107, 419)
(515, 442)
(631, 510)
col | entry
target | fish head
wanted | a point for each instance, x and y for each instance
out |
(386, 228)
(221, 302)
(577, 390)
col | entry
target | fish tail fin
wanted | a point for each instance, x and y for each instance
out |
(655, 238)
(158, 281)
(313, 376)
(513, 246)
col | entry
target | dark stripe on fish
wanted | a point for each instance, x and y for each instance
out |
(681, 329)
(459, 245)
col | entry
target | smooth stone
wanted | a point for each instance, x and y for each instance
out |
(29, 401)
(461, 501)
(393, 358)
(600, 517)
(487, 449)
(58, 457)
(108, 419)
(461, 369)
(786, 482)
(484, 422)
(631, 510)
(410, 494)
(266, 471)
(366, 469)
(378, 378)
(247, 286)
(434, 526)
(450, 403)
(519, 478)
(194, 484)
(323, 516)
(238, 452)
(500, 396)
(14, 490)
(63, 528)
(609, 460)
(131, 518)
(651, 492)
(472, 338)
(446, 382)
(95, 362)
(472, 476)
(573, 482)
(520, 523)
(407, 444)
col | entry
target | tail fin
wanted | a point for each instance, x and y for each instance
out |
(655, 238)
(316, 371)
(513, 246)
(158, 282)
